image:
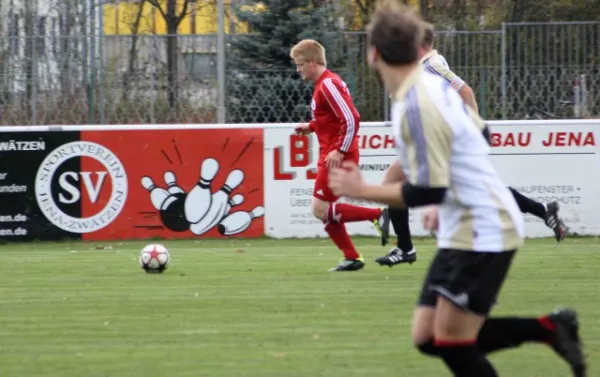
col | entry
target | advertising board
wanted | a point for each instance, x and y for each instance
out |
(132, 184)
(545, 160)
(196, 181)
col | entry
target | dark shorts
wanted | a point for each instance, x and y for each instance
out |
(470, 280)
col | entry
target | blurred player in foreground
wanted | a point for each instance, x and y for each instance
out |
(335, 120)
(404, 251)
(479, 225)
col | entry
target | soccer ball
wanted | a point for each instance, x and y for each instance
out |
(154, 258)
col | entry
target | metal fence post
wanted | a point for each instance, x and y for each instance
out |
(100, 36)
(483, 93)
(386, 106)
(221, 64)
(34, 74)
(584, 95)
(503, 73)
(92, 84)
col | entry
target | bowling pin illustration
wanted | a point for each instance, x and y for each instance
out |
(157, 195)
(236, 200)
(198, 200)
(239, 221)
(219, 204)
(172, 187)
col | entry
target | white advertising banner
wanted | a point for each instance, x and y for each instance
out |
(544, 160)
(552, 161)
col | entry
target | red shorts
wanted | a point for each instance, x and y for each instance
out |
(321, 190)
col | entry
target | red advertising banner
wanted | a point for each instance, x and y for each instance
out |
(173, 183)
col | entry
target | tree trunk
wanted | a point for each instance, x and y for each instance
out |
(129, 76)
(67, 22)
(172, 58)
(29, 21)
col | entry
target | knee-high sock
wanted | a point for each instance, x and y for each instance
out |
(338, 234)
(509, 332)
(347, 213)
(527, 205)
(400, 221)
(465, 359)
(504, 333)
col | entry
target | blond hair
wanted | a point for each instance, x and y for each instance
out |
(309, 49)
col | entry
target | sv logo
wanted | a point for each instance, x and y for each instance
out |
(71, 184)
(68, 182)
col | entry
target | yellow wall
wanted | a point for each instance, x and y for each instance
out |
(120, 18)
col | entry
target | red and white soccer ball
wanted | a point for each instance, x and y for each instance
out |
(154, 258)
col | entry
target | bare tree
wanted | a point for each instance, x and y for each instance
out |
(3, 51)
(73, 43)
(29, 21)
(173, 20)
(133, 50)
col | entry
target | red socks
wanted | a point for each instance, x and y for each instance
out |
(338, 234)
(339, 213)
(547, 323)
(348, 213)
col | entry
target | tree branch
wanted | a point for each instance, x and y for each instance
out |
(156, 4)
(138, 17)
(183, 13)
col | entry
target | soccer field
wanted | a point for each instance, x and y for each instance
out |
(257, 308)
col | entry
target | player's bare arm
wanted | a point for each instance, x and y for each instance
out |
(466, 93)
(394, 173)
(347, 181)
(456, 83)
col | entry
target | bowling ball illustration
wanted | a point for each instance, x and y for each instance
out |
(172, 213)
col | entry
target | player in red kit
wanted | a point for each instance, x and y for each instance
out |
(335, 121)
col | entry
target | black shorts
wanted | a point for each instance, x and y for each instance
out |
(470, 280)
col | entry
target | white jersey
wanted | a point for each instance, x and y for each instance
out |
(439, 142)
(436, 64)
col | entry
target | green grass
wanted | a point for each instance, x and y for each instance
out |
(72, 309)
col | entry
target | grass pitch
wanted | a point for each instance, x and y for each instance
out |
(88, 310)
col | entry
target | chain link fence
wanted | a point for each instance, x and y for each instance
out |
(549, 68)
(554, 68)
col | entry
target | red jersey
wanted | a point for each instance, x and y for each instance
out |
(335, 120)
